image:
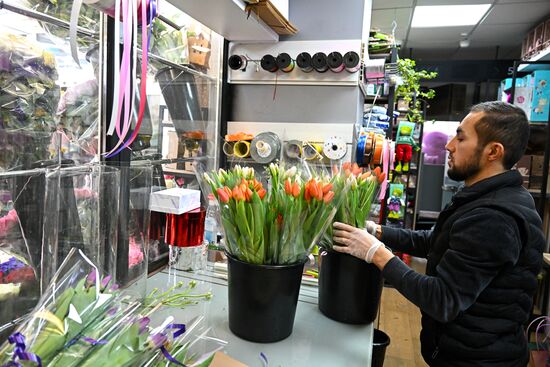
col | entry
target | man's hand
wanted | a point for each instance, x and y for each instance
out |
(373, 228)
(361, 244)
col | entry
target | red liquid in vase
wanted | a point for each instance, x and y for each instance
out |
(187, 229)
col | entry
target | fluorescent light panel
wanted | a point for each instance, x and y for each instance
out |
(448, 15)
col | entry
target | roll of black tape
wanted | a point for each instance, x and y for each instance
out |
(335, 62)
(303, 60)
(319, 62)
(269, 63)
(285, 62)
(352, 62)
(237, 62)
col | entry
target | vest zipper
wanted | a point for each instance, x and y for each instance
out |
(434, 354)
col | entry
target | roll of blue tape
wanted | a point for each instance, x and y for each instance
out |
(360, 153)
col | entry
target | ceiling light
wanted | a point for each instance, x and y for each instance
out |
(448, 15)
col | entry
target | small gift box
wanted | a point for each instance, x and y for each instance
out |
(175, 200)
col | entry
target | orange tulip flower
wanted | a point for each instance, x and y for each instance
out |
(327, 188)
(327, 198)
(296, 189)
(224, 198)
(288, 187)
(261, 193)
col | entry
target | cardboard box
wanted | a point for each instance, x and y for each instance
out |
(539, 85)
(223, 360)
(175, 201)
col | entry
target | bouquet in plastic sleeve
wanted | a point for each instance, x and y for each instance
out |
(196, 347)
(77, 297)
(121, 312)
(279, 226)
(29, 96)
(19, 288)
(363, 188)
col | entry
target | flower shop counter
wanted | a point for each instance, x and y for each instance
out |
(315, 341)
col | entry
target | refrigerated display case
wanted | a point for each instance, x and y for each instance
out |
(53, 136)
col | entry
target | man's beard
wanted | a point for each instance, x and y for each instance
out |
(462, 173)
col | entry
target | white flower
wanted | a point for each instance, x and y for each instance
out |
(248, 172)
(290, 172)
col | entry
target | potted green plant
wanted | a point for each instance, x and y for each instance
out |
(410, 91)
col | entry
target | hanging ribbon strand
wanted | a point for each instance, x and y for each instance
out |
(143, 91)
(130, 13)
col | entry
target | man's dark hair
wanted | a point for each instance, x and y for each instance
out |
(506, 124)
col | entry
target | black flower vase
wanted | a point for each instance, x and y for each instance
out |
(262, 299)
(349, 288)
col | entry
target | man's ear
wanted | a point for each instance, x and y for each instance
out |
(495, 151)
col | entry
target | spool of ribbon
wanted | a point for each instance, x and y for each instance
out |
(352, 62)
(335, 62)
(20, 353)
(303, 60)
(335, 148)
(108, 7)
(237, 62)
(285, 63)
(293, 149)
(241, 149)
(360, 150)
(269, 63)
(378, 148)
(228, 148)
(265, 147)
(364, 151)
(312, 151)
(319, 62)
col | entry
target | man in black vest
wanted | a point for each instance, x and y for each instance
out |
(484, 252)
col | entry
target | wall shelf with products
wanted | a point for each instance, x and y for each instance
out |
(541, 205)
(249, 61)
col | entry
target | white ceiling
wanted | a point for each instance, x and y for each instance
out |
(499, 35)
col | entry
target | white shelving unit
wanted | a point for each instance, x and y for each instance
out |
(229, 19)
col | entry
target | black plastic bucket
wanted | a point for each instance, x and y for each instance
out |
(262, 299)
(380, 341)
(349, 288)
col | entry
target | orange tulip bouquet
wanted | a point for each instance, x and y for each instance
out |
(363, 188)
(278, 225)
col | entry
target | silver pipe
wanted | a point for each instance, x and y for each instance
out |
(46, 18)
(163, 19)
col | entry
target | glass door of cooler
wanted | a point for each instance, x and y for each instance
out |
(181, 124)
(48, 119)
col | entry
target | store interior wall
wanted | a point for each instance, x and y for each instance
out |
(345, 19)
(300, 103)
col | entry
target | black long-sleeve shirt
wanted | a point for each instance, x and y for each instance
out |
(483, 257)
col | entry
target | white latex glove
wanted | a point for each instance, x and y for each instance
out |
(356, 242)
(371, 227)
